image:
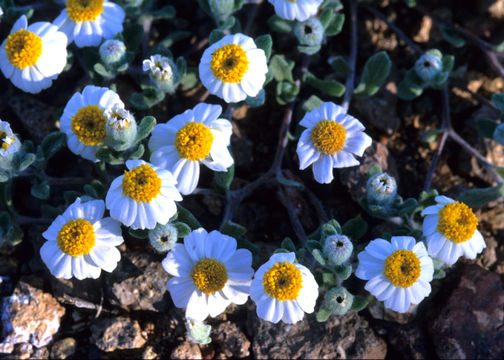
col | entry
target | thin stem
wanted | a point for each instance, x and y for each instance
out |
(293, 217)
(352, 61)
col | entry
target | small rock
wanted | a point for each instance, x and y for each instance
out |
(469, 326)
(36, 116)
(75, 290)
(42, 353)
(407, 342)
(29, 316)
(186, 350)
(348, 336)
(119, 333)
(139, 283)
(231, 340)
(23, 351)
(63, 348)
(149, 353)
(422, 35)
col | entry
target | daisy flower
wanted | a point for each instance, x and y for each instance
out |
(87, 22)
(296, 9)
(196, 136)
(331, 139)
(283, 289)
(81, 242)
(233, 68)
(33, 56)
(144, 196)
(84, 120)
(399, 272)
(209, 274)
(450, 231)
(9, 142)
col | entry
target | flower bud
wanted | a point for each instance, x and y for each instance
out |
(112, 52)
(163, 237)
(309, 32)
(338, 300)
(381, 189)
(9, 145)
(428, 66)
(121, 128)
(221, 9)
(163, 72)
(198, 331)
(337, 249)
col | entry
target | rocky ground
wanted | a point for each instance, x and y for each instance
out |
(129, 314)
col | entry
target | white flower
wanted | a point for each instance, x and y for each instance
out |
(296, 9)
(233, 68)
(209, 274)
(399, 272)
(144, 196)
(283, 289)
(160, 67)
(329, 141)
(450, 229)
(9, 142)
(84, 120)
(87, 22)
(118, 117)
(197, 135)
(81, 242)
(33, 56)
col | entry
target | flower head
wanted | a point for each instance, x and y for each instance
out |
(309, 32)
(163, 237)
(163, 72)
(428, 66)
(33, 56)
(87, 22)
(9, 142)
(283, 289)
(331, 140)
(196, 136)
(209, 274)
(399, 272)
(121, 128)
(296, 9)
(381, 189)
(84, 120)
(233, 68)
(450, 229)
(143, 197)
(337, 249)
(112, 52)
(81, 242)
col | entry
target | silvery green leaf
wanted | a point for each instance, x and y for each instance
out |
(312, 103)
(329, 87)
(233, 229)
(286, 92)
(376, 71)
(276, 23)
(187, 217)
(309, 50)
(265, 42)
(145, 128)
(317, 254)
(359, 303)
(215, 36)
(281, 68)
(323, 314)
(288, 244)
(340, 65)
(52, 143)
(355, 228)
(182, 229)
(452, 37)
(336, 25)
(223, 179)
(479, 197)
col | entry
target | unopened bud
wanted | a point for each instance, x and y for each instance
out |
(112, 52)
(163, 237)
(381, 189)
(9, 145)
(309, 32)
(428, 66)
(337, 249)
(221, 9)
(198, 331)
(338, 300)
(121, 128)
(163, 72)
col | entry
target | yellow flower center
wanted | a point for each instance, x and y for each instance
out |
(84, 10)
(194, 141)
(328, 137)
(23, 48)
(5, 140)
(402, 268)
(209, 275)
(141, 183)
(89, 124)
(457, 222)
(283, 281)
(76, 237)
(229, 63)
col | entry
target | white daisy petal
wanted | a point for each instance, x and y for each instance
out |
(299, 10)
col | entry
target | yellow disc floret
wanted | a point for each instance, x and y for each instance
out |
(328, 137)
(402, 268)
(229, 63)
(457, 222)
(76, 237)
(209, 275)
(142, 183)
(23, 48)
(89, 124)
(283, 281)
(5, 140)
(194, 141)
(84, 10)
